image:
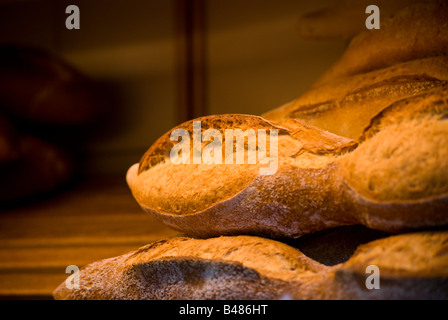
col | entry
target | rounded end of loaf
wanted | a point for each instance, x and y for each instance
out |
(412, 266)
(132, 174)
(206, 199)
(387, 182)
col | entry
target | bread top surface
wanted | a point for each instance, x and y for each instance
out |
(428, 104)
(240, 267)
(422, 254)
(404, 151)
(345, 106)
(380, 168)
(162, 186)
(185, 268)
(418, 31)
(269, 258)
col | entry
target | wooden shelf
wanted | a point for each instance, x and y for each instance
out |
(97, 219)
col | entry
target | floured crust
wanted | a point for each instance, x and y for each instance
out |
(428, 104)
(387, 183)
(179, 189)
(411, 266)
(159, 151)
(246, 267)
(275, 259)
(183, 268)
(357, 149)
(424, 254)
(185, 189)
(345, 106)
(290, 203)
(380, 168)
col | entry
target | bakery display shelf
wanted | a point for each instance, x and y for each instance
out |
(94, 220)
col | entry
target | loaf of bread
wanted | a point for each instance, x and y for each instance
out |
(345, 106)
(39, 169)
(239, 267)
(38, 87)
(359, 157)
(346, 18)
(418, 31)
(389, 182)
(220, 199)
(412, 266)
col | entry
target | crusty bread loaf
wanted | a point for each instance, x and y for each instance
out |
(209, 200)
(39, 169)
(239, 267)
(39, 87)
(345, 106)
(387, 183)
(346, 18)
(411, 164)
(418, 31)
(413, 266)
(361, 155)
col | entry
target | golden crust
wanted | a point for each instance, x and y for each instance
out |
(345, 106)
(246, 267)
(187, 189)
(325, 187)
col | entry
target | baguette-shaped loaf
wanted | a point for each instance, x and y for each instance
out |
(412, 266)
(345, 106)
(208, 200)
(418, 31)
(240, 267)
(389, 182)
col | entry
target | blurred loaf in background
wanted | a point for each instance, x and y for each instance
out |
(46, 107)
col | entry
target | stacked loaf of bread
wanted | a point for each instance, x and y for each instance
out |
(362, 181)
(45, 106)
